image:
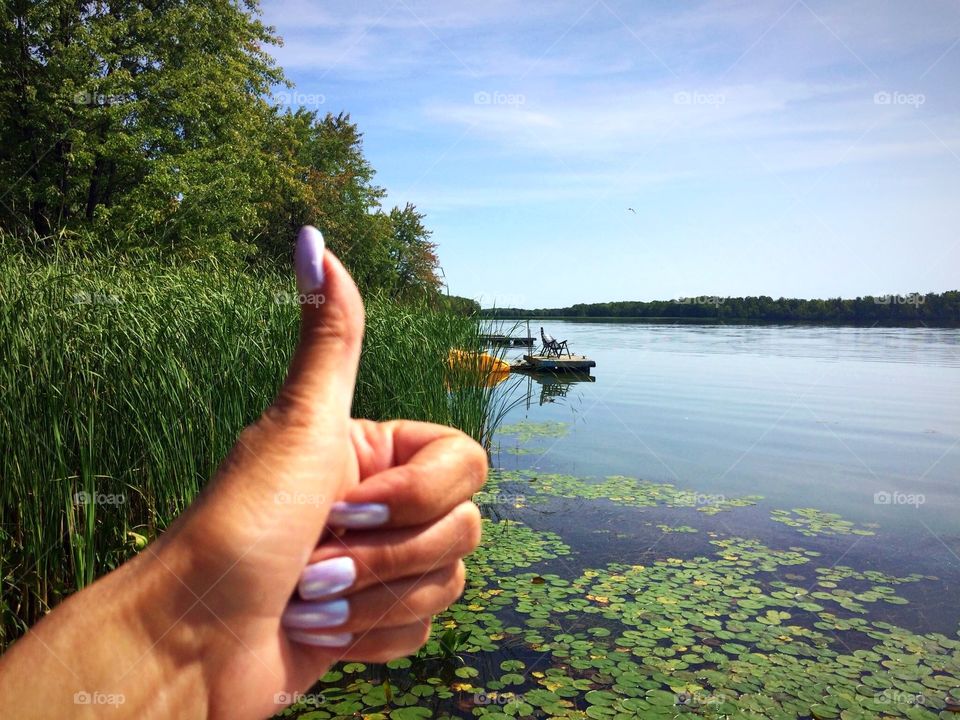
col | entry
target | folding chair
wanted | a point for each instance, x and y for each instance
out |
(553, 347)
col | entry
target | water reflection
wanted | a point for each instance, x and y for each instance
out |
(550, 387)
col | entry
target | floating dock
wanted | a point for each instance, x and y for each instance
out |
(508, 340)
(552, 363)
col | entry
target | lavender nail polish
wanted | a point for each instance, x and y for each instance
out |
(309, 615)
(320, 639)
(308, 259)
(358, 515)
(327, 577)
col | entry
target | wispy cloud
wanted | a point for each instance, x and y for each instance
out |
(588, 103)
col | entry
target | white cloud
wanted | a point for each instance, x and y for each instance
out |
(616, 93)
(610, 120)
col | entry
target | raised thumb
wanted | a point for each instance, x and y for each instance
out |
(323, 371)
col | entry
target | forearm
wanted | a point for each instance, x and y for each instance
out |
(120, 645)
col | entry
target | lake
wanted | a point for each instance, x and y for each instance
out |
(801, 415)
(722, 521)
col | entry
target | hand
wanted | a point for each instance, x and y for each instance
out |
(196, 624)
(404, 571)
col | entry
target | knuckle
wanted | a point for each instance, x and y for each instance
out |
(389, 562)
(424, 635)
(405, 488)
(292, 411)
(407, 641)
(457, 583)
(470, 523)
(475, 463)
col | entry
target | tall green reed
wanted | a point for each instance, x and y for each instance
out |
(125, 385)
(405, 370)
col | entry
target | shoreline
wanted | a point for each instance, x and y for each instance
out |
(665, 320)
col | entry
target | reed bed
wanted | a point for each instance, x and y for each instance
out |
(124, 386)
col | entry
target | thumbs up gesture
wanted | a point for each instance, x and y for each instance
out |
(321, 538)
(282, 607)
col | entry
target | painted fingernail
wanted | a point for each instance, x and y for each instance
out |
(320, 639)
(327, 577)
(308, 259)
(358, 515)
(309, 615)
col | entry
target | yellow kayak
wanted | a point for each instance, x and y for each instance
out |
(483, 366)
(481, 362)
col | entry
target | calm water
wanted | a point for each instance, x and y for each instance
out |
(839, 419)
(628, 608)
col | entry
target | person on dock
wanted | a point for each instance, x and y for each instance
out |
(321, 538)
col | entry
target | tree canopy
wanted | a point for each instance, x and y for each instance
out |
(149, 125)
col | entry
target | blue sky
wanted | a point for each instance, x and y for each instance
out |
(610, 150)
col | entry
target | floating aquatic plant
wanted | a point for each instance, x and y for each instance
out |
(664, 528)
(812, 522)
(525, 430)
(742, 631)
(622, 490)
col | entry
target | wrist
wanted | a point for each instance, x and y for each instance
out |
(171, 640)
(119, 643)
(158, 663)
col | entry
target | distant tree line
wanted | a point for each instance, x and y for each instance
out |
(459, 305)
(931, 307)
(149, 126)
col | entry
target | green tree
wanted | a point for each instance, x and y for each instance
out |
(149, 125)
(327, 182)
(139, 122)
(413, 255)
